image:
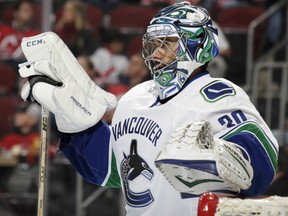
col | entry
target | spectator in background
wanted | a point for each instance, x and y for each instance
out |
(24, 141)
(118, 90)
(109, 60)
(87, 65)
(11, 35)
(137, 72)
(74, 29)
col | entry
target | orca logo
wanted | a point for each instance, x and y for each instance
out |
(132, 167)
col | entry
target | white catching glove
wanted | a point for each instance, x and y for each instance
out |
(194, 162)
(58, 82)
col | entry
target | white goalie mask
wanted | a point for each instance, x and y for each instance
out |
(179, 39)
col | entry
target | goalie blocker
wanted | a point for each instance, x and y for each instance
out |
(211, 204)
(58, 82)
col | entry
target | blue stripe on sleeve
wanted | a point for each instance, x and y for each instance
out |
(260, 161)
(88, 151)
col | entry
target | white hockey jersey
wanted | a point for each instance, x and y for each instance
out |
(140, 129)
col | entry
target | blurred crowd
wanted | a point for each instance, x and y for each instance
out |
(110, 53)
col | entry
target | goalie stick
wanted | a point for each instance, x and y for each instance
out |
(31, 53)
(211, 204)
(43, 163)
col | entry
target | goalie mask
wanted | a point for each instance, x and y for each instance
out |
(179, 39)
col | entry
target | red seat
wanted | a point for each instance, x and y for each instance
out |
(7, 14)
(94, 16)
(8, 79)
(135, 45)
(37, 18)
(131, 19)
(238, 17)
(8, 107)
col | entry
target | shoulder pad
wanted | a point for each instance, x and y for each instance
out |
(217, 90)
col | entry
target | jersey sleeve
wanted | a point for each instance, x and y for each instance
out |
(236, 119)
(91, 154)
(262, 152)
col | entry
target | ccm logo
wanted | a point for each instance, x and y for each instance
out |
(35, 42)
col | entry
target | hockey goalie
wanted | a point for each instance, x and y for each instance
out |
(172, 138)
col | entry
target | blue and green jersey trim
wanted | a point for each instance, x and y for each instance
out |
(114, 178)
(255, 130)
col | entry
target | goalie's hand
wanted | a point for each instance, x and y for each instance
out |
(194, 162)
(66, 89)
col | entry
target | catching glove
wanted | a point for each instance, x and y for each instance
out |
(194, 162)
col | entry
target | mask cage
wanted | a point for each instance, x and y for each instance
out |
(154, 40)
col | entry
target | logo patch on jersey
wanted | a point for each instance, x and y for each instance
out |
(132, 167)
(217, 90)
